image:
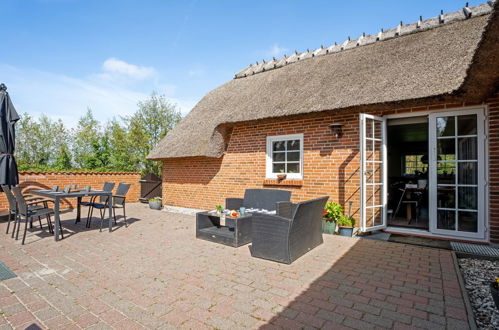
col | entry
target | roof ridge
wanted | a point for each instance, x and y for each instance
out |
(398, 31)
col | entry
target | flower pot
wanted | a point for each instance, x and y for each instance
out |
(328, 227)
(345, 231)
(281, 177)
(155, 205)
(495, 294)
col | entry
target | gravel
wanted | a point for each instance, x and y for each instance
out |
(477, 277)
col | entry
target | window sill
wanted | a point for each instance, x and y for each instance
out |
(285, 182)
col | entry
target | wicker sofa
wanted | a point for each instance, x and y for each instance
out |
(266, 199)
(292, 232)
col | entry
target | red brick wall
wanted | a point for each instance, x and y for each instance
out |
(331, 166)
(43, 180)
(494, 168)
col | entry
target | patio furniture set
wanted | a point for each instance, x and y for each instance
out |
(278, 229)
(35, 204)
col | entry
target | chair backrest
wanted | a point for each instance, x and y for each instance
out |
(21, 202)
(10, 198)
(108, 186)
(122, 190)
(265, 198)
(55, 188)
(307, 218)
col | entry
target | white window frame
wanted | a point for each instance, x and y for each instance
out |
(270, 141)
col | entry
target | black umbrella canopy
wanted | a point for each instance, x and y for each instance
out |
(8, 119)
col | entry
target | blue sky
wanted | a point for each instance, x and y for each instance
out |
(59, 57)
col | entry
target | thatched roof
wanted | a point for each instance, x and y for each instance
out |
(407, 63)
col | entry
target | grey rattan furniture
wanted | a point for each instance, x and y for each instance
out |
(259, 199)
(25, 212)
(291, 233)
(235, 232)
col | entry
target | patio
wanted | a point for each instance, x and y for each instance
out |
(155, 274)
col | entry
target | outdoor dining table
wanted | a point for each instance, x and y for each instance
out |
(78, 194)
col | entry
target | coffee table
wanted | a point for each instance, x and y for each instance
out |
(235, 232)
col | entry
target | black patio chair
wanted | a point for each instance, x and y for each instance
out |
(118, 201)
(259, 199)
(28, 214)
(291, 233)
(108, 186)
(33, 204)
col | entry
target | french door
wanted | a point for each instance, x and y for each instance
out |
(457, 173)
(373, 172)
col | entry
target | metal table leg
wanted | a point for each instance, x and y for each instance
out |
(110, 213)
(56, 219)
(78, 210)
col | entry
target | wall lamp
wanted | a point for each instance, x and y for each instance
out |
(337, 130)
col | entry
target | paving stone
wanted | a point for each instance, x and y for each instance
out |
(124, 281)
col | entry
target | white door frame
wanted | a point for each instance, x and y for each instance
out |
(363, 192)
(482, 209)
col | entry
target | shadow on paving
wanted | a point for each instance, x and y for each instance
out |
(381, 285)
(70, 228)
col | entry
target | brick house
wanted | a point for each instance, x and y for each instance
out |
(400, 127)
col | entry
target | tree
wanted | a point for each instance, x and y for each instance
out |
(154, 118)
(86, 141)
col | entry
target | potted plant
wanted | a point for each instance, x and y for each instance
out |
(345, 225)
(494, 290)
(332, 212)
(155, 203)
(219, 209)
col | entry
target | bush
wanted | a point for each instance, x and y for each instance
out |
(345, 221)
(333, 211)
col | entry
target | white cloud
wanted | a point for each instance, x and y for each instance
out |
(277, 50)
(114, 66)
(60, 96)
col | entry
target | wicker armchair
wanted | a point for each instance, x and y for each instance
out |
(259, 199)
(295, 230)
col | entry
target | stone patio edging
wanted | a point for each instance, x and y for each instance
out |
(466, 297)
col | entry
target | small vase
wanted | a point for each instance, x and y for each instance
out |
(346, 231)
(155, 205)
(495, 294)
(328, 227)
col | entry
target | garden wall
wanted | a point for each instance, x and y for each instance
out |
(45, 180)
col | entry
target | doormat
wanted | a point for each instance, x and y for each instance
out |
(5, 272)
(421, 241)
(476, 249)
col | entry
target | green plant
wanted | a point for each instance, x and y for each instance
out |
(333, 211)
(219, 208)
(345, 221)
(155, 199)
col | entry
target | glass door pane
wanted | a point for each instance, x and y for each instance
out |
(456, 188)
(373, 177)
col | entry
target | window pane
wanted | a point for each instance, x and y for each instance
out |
(467, 173)
(293, 168)
(279, 168)
(468, 221)
(294, 145)
(377, 129)
(468, 198)
(466, 125)
(279, 146)
(467, 148)
(446, 197)
(446, 149)
(446, 173)
(369, 127)
(446, 126)
(293, 156)
(446, 219)
(279, 156)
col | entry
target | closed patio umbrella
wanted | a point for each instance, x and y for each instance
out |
(8, 119)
